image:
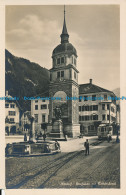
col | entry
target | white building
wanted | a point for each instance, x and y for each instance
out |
(40, 111)
(12, 115)
(101, 109)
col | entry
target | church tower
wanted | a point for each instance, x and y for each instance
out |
(64, 83)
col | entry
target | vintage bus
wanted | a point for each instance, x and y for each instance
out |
(105, 131)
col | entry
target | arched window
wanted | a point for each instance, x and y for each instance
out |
(58, 60)
(75, 61)
(72, 60)
(62, 60)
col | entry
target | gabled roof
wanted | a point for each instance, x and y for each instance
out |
(28, 114)
(14, 101)
(91, 88)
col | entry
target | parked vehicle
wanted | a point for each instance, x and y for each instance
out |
(105, 131)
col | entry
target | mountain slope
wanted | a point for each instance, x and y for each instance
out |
(117, 93)
(24, 78)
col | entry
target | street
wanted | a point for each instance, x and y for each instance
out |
(72, 169)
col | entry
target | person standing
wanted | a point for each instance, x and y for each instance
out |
(44, 136)
(57, 145)
(25, 137)
(86, 145)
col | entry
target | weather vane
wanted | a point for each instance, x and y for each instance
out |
(64, 10)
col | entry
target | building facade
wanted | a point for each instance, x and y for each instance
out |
(40, 111)
(95, 108)
(12, 116)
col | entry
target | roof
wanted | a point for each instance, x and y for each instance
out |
(28, 114)
(14, 101)
(64, 31)
(66, 48)
(91, 88)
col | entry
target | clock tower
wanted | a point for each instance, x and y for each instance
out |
(64, 84)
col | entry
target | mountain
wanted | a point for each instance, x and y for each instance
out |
(24, 78)
(117, 93)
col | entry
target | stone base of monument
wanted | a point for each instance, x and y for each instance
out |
(72, 130)
(31, 148)
(57, 131)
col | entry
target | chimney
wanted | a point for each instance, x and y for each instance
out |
(90, 81)
(6, 93)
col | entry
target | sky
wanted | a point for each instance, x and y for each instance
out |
(33, 31)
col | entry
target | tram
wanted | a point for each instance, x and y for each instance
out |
(105, 131)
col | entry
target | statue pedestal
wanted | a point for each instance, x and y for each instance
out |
(57, 130)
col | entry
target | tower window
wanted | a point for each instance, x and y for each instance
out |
(70, 74)
(62, 60)
(74, 61)
(58, 74)
(62, 73)
(75, 75)
(58, 61)
(50, 77)
(54, 61)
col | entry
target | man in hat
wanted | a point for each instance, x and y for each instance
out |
(86, 145)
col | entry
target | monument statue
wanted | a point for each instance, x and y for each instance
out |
(57, 113)
(57, 126)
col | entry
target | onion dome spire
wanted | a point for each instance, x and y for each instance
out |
(64, 36)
